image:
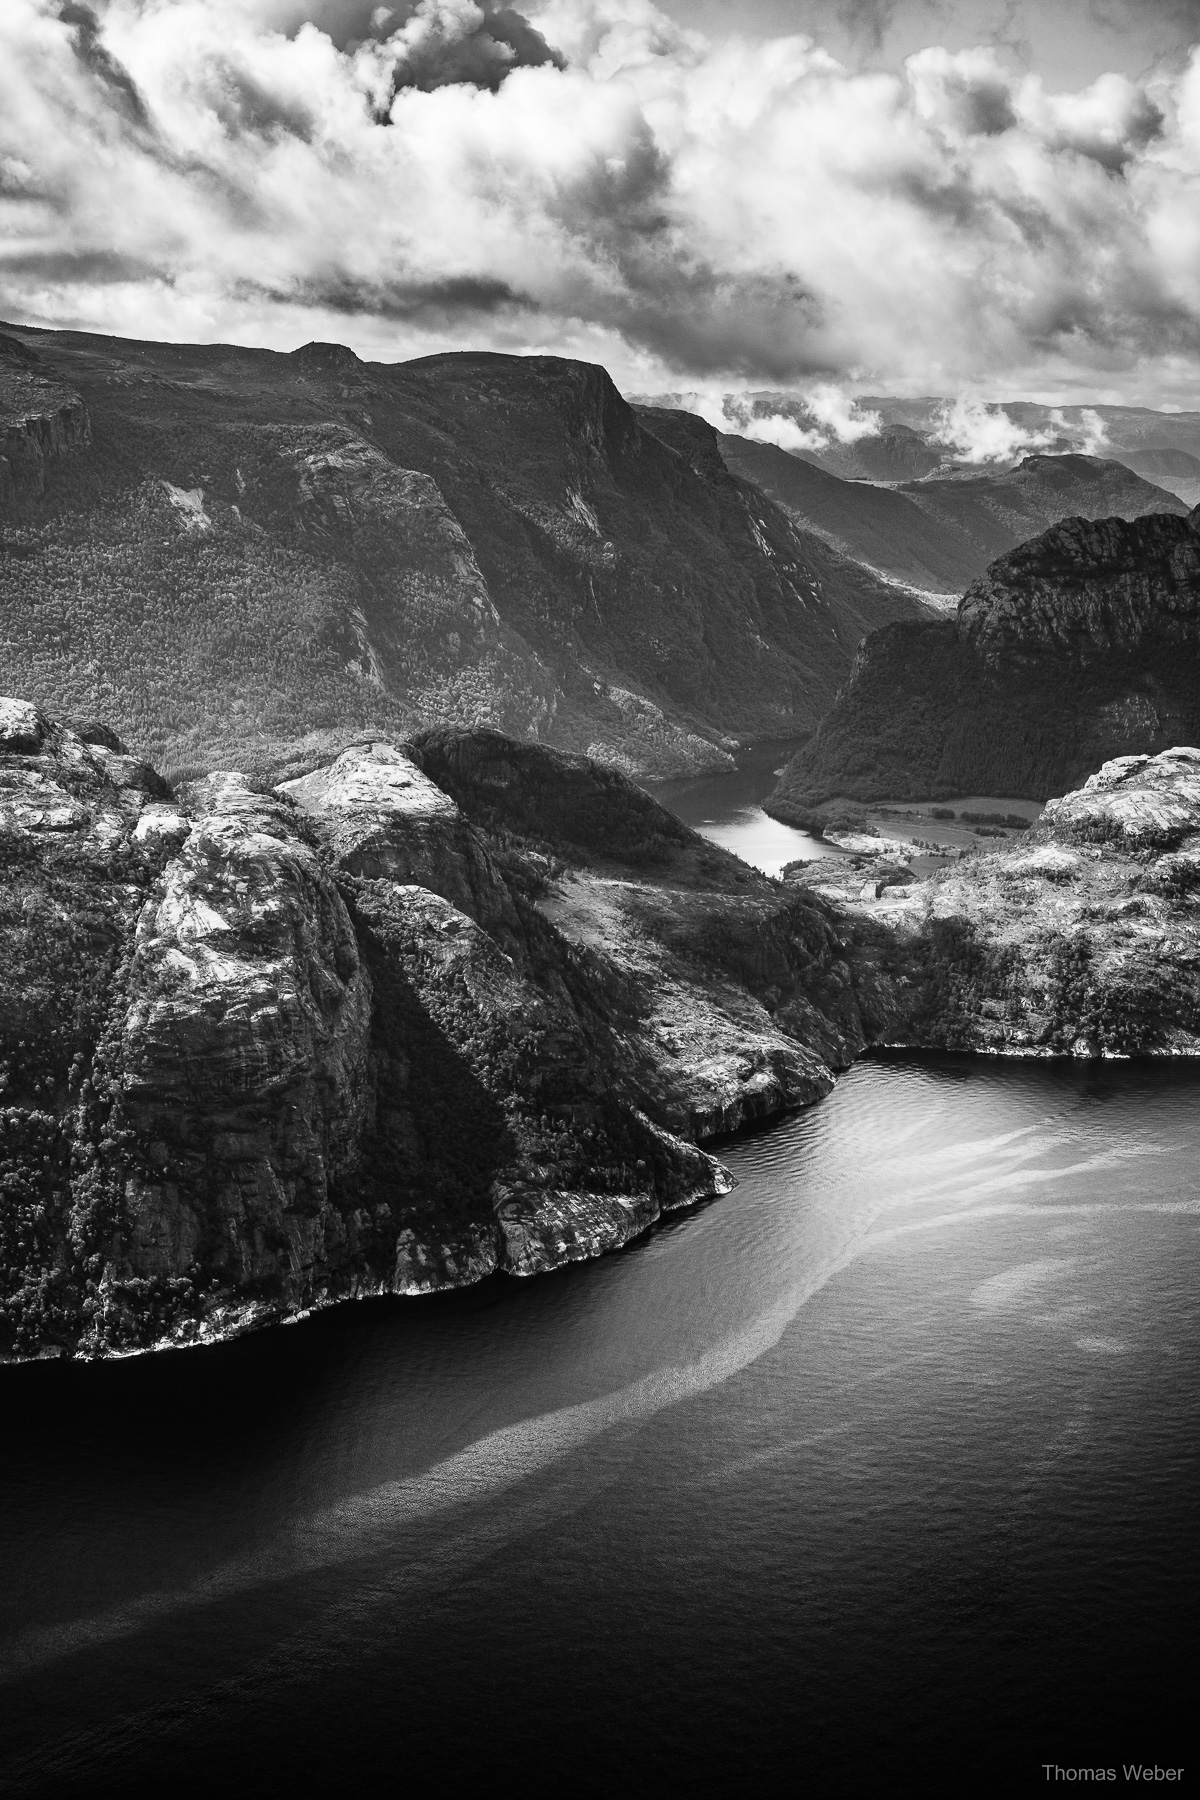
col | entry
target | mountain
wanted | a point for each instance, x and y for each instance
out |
(1163, 446)
(424, 1013)
(995, 513)
(939, 534)
(896, 453)
(1176, 470)
(1079, 646)
(238, 556)
(879, 526)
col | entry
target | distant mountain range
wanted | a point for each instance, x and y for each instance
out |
(940, 534)
(926, 492)
(240, 557)
(935, 435)
(1160, 445)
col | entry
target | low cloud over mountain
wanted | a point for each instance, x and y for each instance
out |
(593, 178)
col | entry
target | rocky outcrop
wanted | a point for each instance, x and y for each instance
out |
(386, 1029)
(1081, 938)
(1079, 646)
(486, 540)
(242, 1052)
(417, 1017)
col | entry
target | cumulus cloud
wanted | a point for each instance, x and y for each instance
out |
(590, 178)
(825, 414)
(977, 431)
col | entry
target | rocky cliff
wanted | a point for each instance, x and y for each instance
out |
(468, 1005)
(1082, 645)
(255, 558)
(1082, 937)
(411, 1018)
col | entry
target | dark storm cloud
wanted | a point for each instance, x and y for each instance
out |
(101, 268)
(428, 303)
(101, 64)
(442, 46)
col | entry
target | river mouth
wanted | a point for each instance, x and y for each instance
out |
(888, 1457)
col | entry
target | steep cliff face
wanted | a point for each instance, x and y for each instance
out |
(41, 420)
(1087, 592)
(385, 1029)
(263, 557)
(1082, 938)
(1079, 646)
(242, 1053)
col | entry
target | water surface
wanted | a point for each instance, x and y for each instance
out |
(727, 809)
(888, 1457)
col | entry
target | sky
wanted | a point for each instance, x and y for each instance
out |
(985, 199)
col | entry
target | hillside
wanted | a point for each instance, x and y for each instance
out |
(1079, 646)
(879, 526)
(940, 533)
(238, 556)
(995, 513)
(464, 1006)
(1176, 470)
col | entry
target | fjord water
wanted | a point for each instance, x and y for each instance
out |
(885, 1465)
(727, 808)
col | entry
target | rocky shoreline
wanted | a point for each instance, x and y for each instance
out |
(464, 1005)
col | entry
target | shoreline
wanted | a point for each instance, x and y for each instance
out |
(238, 1320)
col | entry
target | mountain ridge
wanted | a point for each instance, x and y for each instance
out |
(257, 554)
(940, 534)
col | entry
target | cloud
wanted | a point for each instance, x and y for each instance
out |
(811, 420)
(591, 178)
(444, 42)
(843, 418)
(90, 50)
(980, 432)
